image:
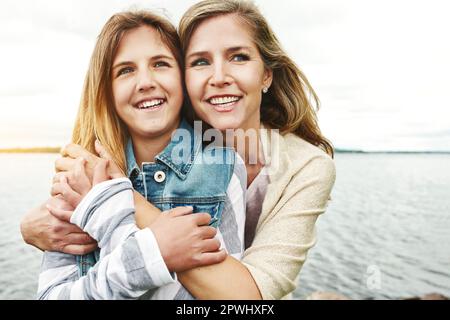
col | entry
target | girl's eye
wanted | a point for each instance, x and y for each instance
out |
(199, 62)
(240, 57)
(160, 64)
(124, 71)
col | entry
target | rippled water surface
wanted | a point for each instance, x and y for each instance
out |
(386, 233)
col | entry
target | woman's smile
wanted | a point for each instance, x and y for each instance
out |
(224, 103)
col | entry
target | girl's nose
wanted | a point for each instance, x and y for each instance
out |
(145, 81)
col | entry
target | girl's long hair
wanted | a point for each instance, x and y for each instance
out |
(97, 117)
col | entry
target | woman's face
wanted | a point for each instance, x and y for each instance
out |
(225, 74)
(146, 84)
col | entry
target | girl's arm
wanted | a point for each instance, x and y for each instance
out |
(217, 281)
(130, 263)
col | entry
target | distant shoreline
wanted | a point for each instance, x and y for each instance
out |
(337, 150)
(389, 152)
(32, 150)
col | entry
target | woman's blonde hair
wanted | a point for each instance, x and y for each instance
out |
(97, 117)
(291, 103)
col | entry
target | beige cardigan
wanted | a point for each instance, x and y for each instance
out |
(301, 178)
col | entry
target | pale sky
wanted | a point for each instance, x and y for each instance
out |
(380, 68)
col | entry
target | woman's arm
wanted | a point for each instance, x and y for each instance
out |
(46, 232)
(215, 281)
(270, 267)
(287, 232)
(218, 281)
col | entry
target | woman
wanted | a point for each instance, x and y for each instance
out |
(243, 79)
(131, 102)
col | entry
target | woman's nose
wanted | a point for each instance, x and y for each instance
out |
(220, 76)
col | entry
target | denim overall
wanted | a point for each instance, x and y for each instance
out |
(185, 173)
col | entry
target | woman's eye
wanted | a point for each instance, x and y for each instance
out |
(124, 71)
(161, 64)
(240, 57)
(199, 62)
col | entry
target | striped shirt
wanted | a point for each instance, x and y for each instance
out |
(130, 265)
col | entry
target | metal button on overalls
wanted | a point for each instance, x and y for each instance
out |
(159, 176)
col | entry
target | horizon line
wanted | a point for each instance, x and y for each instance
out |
(336, 150)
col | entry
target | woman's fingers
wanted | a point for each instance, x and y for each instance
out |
(113, 170)
(70, 228)
(55, 189)
(180, 211)
(79, 170)
(79, 249)
(101, 151)
(75, 151)
(80, 182)
(80, 238)
(72, 197)
(61, 214)
(211, 245)
(208, 258)
(64, 164)
(208, 232)
(59, 203)
(201, 218)
(58, 175)
(100, 173)
(70, 153)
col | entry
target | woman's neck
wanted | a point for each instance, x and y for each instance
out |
(248, 145)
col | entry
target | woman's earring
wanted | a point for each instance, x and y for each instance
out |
(265, 90)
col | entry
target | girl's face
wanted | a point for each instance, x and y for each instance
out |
(225, 74)
(146, 84)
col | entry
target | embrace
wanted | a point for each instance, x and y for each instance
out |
(197, 169)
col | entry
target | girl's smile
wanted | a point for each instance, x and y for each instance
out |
(147, 87)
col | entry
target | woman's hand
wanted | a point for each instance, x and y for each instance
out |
(44, 231)
(185, 239)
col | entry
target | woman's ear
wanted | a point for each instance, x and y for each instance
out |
(268, 77)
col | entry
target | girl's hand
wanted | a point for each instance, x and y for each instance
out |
(74, 190)
(73, 151)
